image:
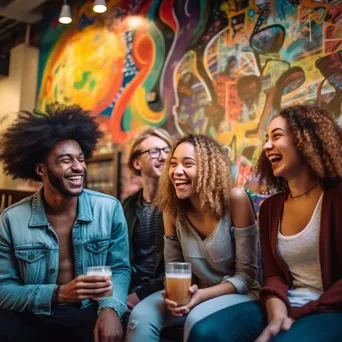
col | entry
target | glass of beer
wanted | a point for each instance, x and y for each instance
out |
(102, 271)
(178, 282)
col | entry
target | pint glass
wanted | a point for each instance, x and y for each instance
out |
(178, 282)
(102, 271)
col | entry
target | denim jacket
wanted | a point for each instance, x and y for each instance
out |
(29, 251)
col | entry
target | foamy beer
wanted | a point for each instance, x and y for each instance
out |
(178, 282)
(101, 271)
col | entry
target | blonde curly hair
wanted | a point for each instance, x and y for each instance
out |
(214, 179)
(317, 137)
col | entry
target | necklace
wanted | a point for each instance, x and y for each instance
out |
(307, 191)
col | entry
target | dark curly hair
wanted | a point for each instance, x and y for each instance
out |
(317, 137)
(214, 178)
(32, 135)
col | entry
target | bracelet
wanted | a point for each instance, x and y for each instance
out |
(55, 293)
(170, 237)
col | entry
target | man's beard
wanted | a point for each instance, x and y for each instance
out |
(57, 183)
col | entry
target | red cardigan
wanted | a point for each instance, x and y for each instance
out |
(276, 273)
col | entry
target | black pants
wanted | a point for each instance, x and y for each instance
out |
(68, 323)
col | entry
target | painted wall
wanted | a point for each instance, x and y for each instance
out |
(10, 90)
(18, 92)
(220, 67)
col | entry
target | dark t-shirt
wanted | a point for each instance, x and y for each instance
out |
(144, 242)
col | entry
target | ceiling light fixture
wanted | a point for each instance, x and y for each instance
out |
(65, 16)
(100, 6)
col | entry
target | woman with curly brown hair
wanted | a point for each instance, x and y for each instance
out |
(208, 224)
(301, 236)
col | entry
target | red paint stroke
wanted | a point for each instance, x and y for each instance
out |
(146, 6)
(118, 135)
(331, 46)
(62, 46)
(166, 14)
(47, 85)
(116, 82)
(143, 56)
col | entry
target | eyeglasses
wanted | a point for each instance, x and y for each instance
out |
(155, 152)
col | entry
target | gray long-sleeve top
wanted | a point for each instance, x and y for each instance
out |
(227, 254)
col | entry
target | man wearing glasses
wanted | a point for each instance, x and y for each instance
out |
(145, 223)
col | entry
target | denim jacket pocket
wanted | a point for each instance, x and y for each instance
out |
(97, 252)
(32, 264)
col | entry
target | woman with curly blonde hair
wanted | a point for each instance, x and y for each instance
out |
(301, 236)
(209, 224)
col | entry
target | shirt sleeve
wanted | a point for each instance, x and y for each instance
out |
(172, 250)
(14, 295)
(246, 258)
(118, 259)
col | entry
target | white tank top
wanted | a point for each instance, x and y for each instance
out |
(301, 254)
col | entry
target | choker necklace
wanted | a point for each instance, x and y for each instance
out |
(307, 191)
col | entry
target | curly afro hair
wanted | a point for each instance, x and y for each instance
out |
(317, 137)
(32, 135)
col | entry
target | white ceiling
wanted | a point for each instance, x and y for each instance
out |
(21, 10)
(16, 15)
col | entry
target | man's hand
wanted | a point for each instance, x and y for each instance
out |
(132, 301)
(274, 327)
(108, 327)
(184, 309)
(84, 287)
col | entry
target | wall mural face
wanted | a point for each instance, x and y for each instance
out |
(223, 68)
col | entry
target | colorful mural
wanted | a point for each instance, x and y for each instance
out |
(221, 67)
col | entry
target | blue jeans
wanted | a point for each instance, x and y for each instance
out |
(151, 315)
(245, 322)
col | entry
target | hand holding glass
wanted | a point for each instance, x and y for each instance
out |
(102, 271)
(178, 282)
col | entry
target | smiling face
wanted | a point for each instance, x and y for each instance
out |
(151, 167)
(281, 151)
(183, 170)
(64, 170)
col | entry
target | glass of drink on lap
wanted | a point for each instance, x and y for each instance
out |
(102, 271)
(178, 282)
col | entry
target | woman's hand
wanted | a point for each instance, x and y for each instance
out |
(278, 320)
(274, 327)
(184, 309)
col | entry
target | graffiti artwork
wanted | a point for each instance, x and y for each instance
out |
(221, 67)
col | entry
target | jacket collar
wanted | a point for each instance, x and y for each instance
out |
(140, 199)
(38, 213)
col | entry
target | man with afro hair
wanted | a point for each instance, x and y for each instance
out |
(48, 240)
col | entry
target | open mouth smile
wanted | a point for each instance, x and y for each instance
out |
(75, 180)
(181, 184)
(275, 159)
